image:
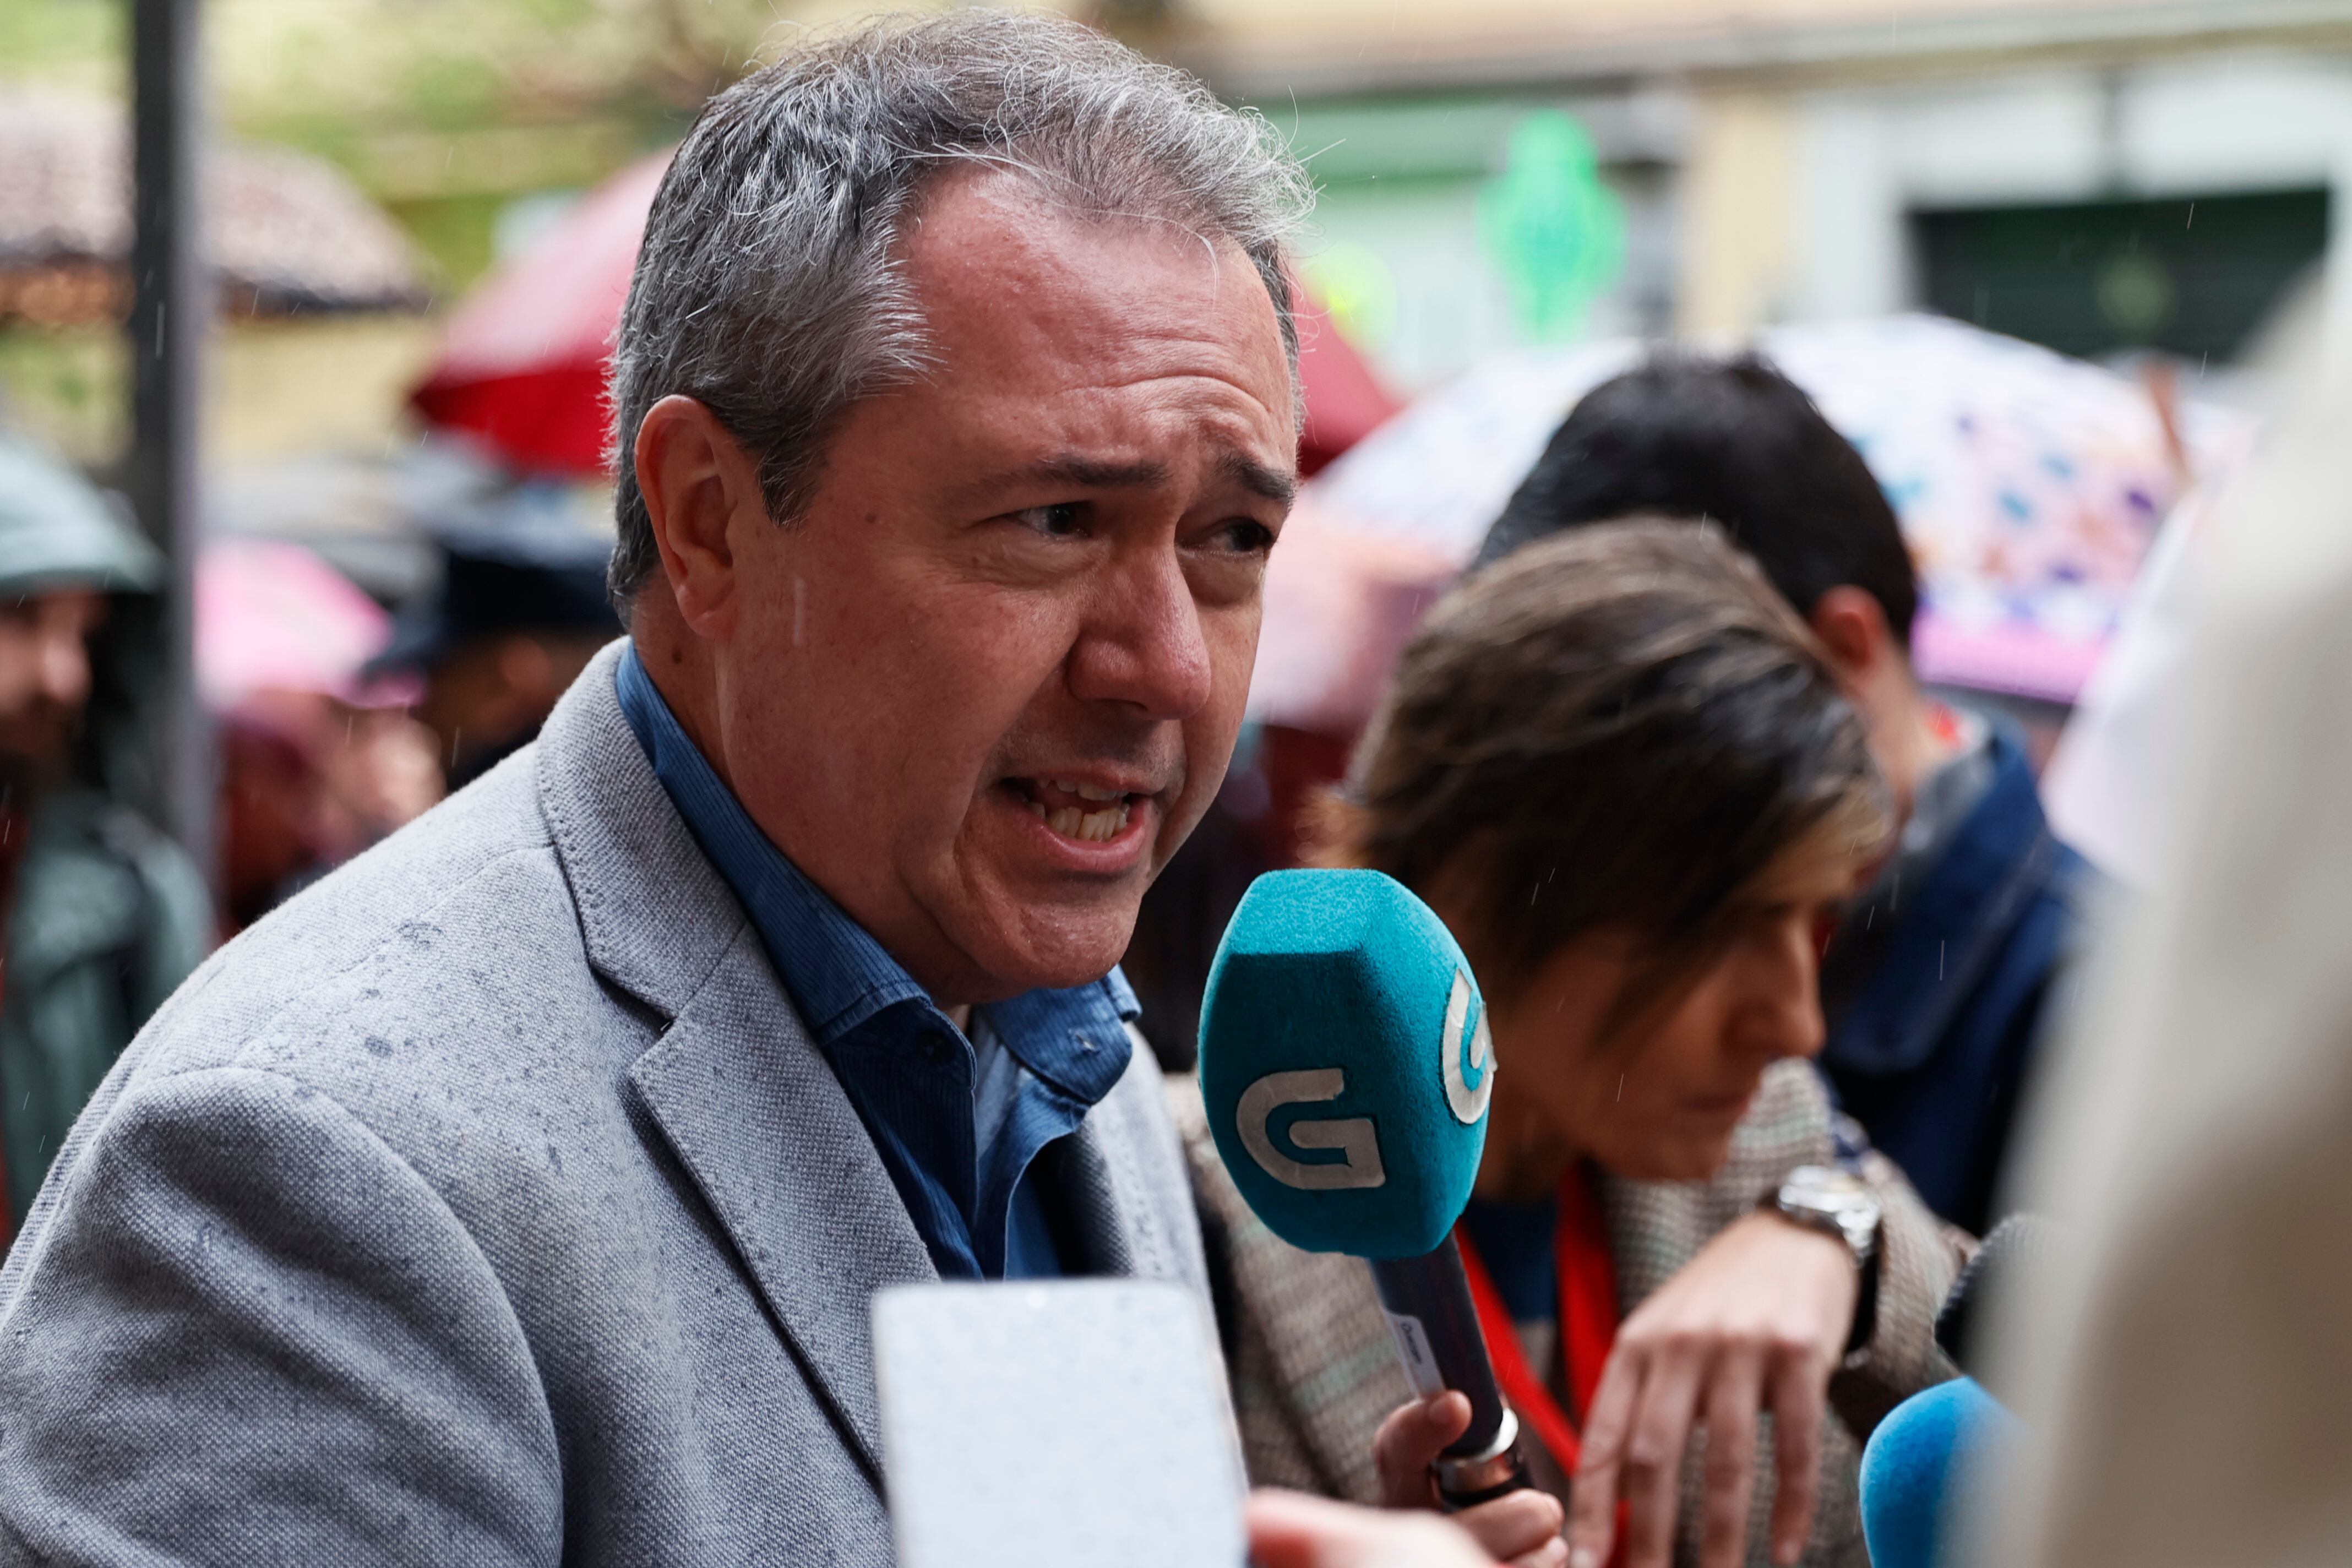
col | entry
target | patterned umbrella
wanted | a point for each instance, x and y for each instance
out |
(272, 617)
(2028, 486)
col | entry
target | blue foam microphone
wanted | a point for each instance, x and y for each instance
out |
(1346, 1066)
(1918, 1463)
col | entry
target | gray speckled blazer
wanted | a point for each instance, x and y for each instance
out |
(488, 1203)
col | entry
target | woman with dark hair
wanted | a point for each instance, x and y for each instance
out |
(1619, 769)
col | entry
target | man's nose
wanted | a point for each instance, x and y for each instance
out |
(63, 663)
(1142, 644)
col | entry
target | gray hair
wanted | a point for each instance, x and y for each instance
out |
(769, 287)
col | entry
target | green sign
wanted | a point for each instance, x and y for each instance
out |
(1551, 226)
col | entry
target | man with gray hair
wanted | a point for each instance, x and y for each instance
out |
(516, 1194)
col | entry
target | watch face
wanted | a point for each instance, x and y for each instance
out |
(1838, 1197)
(1826, 1192)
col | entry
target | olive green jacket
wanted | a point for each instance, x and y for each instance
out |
(109, 917)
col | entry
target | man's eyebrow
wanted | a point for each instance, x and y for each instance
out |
(1087, 473)
(1274, 484)
(1093, 474)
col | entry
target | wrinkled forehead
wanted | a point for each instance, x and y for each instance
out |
(998, 265)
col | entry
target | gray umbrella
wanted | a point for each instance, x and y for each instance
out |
(286, 232)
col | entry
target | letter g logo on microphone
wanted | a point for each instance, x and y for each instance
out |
(1466, 1055)
(1353, 1137)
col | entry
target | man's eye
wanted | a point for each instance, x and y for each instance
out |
(1244, 536)
(1060, 521)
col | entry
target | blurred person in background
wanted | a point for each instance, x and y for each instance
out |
(101, 914)
(1936, 981)
(308, 781)
(317, 761)
(1622, 773)
(520, 610)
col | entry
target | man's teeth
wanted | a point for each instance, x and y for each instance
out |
(1087, 827)
(1084, 791)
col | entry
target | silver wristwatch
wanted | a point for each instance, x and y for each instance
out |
(1839, 1204)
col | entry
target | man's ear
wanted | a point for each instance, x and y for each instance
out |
(1853, 630)
(696, 481)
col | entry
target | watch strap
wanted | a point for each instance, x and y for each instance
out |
(1865, 1304)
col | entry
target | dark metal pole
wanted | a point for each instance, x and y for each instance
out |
(170, 321)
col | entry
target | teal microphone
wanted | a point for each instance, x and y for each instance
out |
(1922, 1464)
(1346, 1066)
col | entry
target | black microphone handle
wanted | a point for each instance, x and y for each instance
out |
(1438, 1339)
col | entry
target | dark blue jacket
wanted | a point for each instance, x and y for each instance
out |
(1931, 1054)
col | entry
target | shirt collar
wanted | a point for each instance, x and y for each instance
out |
(1075, 1039)
(837, 975)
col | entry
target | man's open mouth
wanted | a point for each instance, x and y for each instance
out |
(1091, 813)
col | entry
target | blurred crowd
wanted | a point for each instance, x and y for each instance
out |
(336, 720)
(323, 752)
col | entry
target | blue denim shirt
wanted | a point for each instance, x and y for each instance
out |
(959, 1122)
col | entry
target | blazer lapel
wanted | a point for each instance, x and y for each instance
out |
(738, 1090)
(753, 1112)
(1117, 1172)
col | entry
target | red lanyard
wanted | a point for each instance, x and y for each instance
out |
(1587, 1321)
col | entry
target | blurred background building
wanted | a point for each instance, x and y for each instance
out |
(2099, 175)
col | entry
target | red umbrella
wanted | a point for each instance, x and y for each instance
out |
(522, 363)
(1345, 401)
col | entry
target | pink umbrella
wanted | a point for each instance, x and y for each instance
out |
(273, 617)
(1346, 400)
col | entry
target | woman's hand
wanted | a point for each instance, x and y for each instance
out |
(1757, 1321)
(1291, 1530)
(1521, 1528)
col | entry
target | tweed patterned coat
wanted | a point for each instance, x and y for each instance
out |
(1314, 1371)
